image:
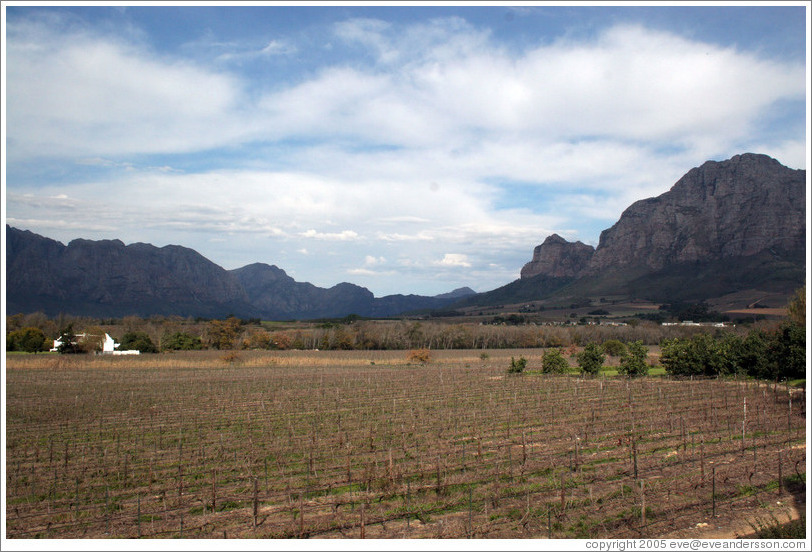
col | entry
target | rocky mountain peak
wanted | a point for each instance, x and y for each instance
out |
(734, 208)
(558, 258)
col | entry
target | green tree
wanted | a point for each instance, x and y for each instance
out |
(788, 351)
(753, 355)
(614, 348)
(517, 366)
(181, 341)
(633, 360)
(591, 359)
(137, 341)
(698, 356)
(796, 310)
(29, 340)
(68, 342)
(553, 362)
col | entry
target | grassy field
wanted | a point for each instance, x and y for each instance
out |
(366, 444)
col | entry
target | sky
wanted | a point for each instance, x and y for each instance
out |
(404, 148)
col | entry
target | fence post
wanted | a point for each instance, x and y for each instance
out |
(213, 491)
(256, 503)
(780, 476)
(642, 507)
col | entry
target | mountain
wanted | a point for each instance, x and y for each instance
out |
(109, 279)
(278, 296)
(558, 258)
(735, 208)
(724, 227)
(456, 294)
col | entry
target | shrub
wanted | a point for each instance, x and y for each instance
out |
(698, 356)
(423, 356)
(181, 341)
(139, 341)
(517, 366)
(30, 340)
(788, 347)
(633, 360)
(613, 347)
(231, 357)
(553, 362)
(590, 360)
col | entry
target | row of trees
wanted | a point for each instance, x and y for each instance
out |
(773, 355)
(592, 357)
(233, 333)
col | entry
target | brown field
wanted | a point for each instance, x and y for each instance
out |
(759, 311)
(364, 444)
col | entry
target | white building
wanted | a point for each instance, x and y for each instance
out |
(109, 345)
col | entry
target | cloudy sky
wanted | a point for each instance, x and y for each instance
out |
(406, 149)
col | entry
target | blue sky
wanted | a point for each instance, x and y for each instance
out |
(406, 149)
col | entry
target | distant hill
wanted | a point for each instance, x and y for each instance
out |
(109, 279)
(278, 296)
(724, 227)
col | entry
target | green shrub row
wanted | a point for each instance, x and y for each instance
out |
(776, 355)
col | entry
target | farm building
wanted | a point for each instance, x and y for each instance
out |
(109, 345)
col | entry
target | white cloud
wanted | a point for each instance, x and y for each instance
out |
(371, 260)
(344, 235)
(406, 153)
(454, 259)
(78, 93)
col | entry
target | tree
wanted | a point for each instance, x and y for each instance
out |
(223, 334)
(613, 347)
(796, 310)
(517, 366)
(67, 342)
(139, 341)
(788, 351)
(751, 354)
(181, 341)
(700, 355)
(633, 360)
(590, 360)
(29, 340)
(553, 362)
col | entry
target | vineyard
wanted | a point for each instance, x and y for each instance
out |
(371, 444)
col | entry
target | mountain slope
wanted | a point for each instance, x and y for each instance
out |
(724, 227)
(278, 296)
(107, 278)
(735, 208)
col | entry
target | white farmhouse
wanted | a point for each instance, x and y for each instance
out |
(109, 345)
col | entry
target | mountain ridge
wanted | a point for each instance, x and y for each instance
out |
(723, 227)
(109, 278)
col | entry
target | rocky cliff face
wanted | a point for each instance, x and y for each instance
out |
(558, 258)
(725, 226)
(735, 208)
